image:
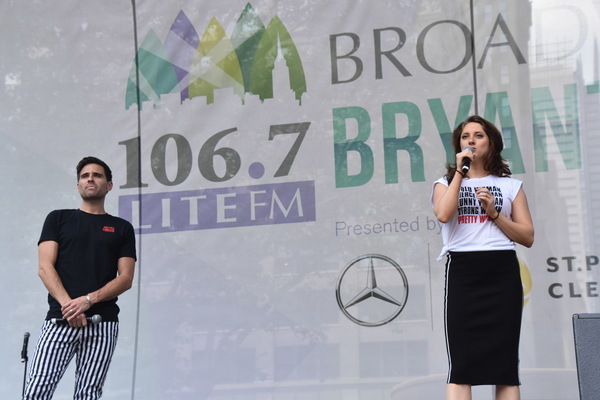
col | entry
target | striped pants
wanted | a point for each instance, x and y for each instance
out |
(92, 346)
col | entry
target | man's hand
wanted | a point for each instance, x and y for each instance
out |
(73, 311)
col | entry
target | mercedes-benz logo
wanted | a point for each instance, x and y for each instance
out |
(372, 290)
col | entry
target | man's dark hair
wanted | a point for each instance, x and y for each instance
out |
(93, 160)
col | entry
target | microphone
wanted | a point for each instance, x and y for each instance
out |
(466, 161)
(24, 351)
(94, 320)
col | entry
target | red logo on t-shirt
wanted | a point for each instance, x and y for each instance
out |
(108, 228)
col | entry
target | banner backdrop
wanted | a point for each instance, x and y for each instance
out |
(276, 159)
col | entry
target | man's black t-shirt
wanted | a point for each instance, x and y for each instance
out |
(89, 247)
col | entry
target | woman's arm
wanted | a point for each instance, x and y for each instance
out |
(519, 229)
(445, 199)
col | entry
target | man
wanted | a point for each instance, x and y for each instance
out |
(86, 259)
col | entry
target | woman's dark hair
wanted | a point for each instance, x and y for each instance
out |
(493, 163)
(93, 160)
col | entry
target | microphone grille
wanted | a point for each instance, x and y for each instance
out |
(468, 148)
(96, 319)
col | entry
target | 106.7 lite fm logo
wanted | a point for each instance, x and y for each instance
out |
(196, 66)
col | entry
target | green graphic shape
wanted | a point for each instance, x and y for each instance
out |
(261, 78)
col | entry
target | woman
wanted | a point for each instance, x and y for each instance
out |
(484, 213)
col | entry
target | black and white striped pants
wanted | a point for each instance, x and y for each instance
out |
(92, 346)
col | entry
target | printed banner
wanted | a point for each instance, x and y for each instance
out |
(276, 159)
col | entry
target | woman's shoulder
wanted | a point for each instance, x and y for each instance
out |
(443, 180)
(507, 179)
(508, 182)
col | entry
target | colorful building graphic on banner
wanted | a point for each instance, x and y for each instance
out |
(196, 66)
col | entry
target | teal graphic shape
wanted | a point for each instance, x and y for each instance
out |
(156, 73)
(246, 37)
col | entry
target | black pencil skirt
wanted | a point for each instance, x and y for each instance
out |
(483, 309)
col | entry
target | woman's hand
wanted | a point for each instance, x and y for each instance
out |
(519, 228)
(460, 157)
(488, 201)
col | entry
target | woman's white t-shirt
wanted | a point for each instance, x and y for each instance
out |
(471, 228)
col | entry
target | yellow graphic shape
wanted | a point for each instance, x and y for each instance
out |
(525, 280)
(215, 65)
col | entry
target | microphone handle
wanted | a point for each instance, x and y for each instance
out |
(24, 350)
(466, 165)
(95, 319)
(466, 161)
